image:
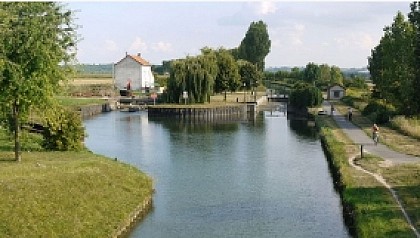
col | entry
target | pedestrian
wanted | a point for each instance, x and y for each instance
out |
(332, 109)
(375, 133)
(350, 113)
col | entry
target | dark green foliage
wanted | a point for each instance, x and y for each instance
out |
(305, 95)
(195, 75)
(322, 75)
(255, 46)
(393, 66)
(414, 17)
(356, 82)
(249, 74)
(311, 73)
(228, 77)
(348, 100)
(378, 112)
(63, 130)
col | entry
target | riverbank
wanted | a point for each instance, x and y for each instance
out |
(75, 194)
(370, 209)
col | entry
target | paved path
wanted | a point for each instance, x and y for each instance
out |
(359, 137)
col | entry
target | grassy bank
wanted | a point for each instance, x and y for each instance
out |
(369, 207)
(70, 194)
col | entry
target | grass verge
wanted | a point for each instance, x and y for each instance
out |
(369, 208)
(67, 194)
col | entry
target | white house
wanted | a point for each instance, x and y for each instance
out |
(336, 92)
(133, 72)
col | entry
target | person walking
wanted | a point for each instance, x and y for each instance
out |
(375, 133)
(350, 113)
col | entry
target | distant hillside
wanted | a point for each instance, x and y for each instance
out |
(94, 69)
(346, 71)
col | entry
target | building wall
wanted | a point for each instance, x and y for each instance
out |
(128, 70)
(147, 77)
(336, 92)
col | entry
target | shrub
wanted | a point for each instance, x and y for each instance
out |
(63, 130)
(378, 112)
(305, 95)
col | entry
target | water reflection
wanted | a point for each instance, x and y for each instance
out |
(266, 177)
(304, 128)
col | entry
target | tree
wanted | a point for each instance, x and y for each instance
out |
(37, 41)
(228, 77)
(311, 73)
(336, 76)
(324, 75)
(305, 95)
(249, 73)
(255, 46)
(392, 65)
(414, 17)
(194, 75)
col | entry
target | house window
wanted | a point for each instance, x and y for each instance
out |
(336, 94)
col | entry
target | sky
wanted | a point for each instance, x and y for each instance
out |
(334, 33)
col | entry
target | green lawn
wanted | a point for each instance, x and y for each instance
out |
(66, 194)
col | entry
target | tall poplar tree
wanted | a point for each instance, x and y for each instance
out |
(392, 65)
(255, 46)
(36, 41)
(414, 17)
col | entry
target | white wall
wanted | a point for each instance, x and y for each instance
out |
(129, 69)
(336, 92)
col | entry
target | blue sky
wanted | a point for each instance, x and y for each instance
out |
(335, 33)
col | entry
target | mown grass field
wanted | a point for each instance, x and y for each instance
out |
(65, 194)
(91, 81)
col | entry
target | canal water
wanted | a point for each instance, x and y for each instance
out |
(265, 177)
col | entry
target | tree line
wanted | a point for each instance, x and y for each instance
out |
(220, 70)
(394, 63)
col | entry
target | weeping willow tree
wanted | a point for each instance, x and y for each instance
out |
(194, 75)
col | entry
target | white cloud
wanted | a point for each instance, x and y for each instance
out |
(366, 41)
(292, 34)
(266, 7)
(162, 47)
(138, 45)
(359, 40)
(110, 45)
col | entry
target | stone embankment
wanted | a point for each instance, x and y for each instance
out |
(198, 113)
(93, 110)
(139, 213)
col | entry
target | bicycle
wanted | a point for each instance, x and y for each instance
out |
(376, 137)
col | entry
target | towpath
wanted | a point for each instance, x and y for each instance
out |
(358, 136)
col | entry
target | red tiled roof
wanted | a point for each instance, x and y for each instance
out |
(140, 60)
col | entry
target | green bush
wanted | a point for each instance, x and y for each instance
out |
(378, 112)
(305, 95)
(63, 130)
(348, 100)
